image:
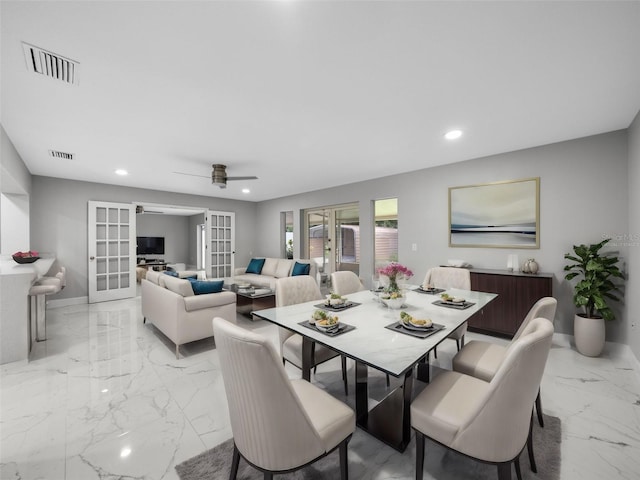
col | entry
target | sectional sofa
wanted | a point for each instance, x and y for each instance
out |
(263, 272)
(173, 308)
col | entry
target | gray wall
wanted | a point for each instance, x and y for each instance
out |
(583, 198)
(174, 229)
(59, 220)
(632, 299)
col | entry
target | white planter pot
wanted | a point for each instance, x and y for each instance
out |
(589, 334)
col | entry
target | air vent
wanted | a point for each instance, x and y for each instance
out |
(51, 64)
(57, 154)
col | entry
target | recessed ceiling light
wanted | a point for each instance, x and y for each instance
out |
(125, 452)
(121, 172)
(246, 190)
(453, 134)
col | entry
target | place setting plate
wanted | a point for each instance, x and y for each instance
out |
(337, 308)
(339, 328)
(460, 305)
(413, 330)
(429, 291)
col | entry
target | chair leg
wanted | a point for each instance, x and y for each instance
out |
(504, 471)
(388, 380)
(458, 344)
(144, 319)
(435, 352)
(518, 471)
(234, 463)
(344, 463)
(177, 352)
(268, 476)
(461, 342)
(539, 409)
(344, 374)
(419, 455)
(532, 460)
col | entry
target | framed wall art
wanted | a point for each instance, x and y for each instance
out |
(501, 214)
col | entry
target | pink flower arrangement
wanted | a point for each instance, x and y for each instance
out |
(395, 270)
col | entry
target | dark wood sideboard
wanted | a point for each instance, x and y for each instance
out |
(517, 292)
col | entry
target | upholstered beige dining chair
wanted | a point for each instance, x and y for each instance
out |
(487, 421)
(482, 359)
(450, 277)
(278, 424)
(291, 291)
(344, 283)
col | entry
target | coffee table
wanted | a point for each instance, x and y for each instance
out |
(250, 300)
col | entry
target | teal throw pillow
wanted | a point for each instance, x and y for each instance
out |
(255, 265)
(300, 269)
(201, 287)
(171, 273)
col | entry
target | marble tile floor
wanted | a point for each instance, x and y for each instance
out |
(105, 398)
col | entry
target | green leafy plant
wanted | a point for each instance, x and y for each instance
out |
(596, 288)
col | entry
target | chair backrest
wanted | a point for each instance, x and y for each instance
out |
(448, 277)
(498, 429)
(270, 426)
(345, 282)
(543, 308)
(298, 289)
(293, 290)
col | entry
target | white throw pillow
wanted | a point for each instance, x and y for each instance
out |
(270, 266)
(284, 268)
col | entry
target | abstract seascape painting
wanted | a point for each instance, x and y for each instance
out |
(500, 214)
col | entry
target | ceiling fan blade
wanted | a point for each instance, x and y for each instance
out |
(192, 174)
(242, 178)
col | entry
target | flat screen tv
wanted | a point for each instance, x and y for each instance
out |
(150, 245)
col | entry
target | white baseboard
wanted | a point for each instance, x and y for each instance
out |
(65, 302)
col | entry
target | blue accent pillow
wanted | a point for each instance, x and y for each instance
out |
(171, 273)
(300, 269)
(201, 287)
(255, 265)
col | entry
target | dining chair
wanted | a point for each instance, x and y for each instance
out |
(482, 359)
(346, 282)
(279, 425)
(487, 421)
(291, 291)
(450, 277)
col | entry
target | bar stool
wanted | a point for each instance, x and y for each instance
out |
(38, 293)
(43, 287)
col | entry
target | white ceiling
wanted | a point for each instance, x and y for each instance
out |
(309, 94)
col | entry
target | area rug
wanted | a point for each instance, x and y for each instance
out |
(370, 459)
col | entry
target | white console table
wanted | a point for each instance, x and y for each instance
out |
(15, 282)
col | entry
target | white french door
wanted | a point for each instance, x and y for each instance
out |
(221, 243)
(112, 251)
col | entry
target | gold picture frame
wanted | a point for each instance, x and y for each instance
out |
(502, 214)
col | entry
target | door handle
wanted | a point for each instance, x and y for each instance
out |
(92, 258)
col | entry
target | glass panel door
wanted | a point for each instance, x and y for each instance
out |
(221, 241)
(111, 248)
(319, 243)
(347, 238)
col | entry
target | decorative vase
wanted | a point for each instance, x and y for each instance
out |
(589, 334)
(533, 266)
(525, 267)
(394, 303)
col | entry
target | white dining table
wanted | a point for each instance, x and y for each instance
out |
(372, 344)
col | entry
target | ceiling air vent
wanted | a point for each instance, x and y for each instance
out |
(51, 64)
(64, 155)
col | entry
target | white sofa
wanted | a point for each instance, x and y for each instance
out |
(170, 304)
(272, 270)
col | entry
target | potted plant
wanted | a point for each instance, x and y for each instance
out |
(592, 293)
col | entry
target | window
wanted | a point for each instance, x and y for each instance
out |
(385, 232)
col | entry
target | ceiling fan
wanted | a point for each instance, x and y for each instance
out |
(219, 175)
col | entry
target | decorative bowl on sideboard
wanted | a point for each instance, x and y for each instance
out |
(23, 260)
